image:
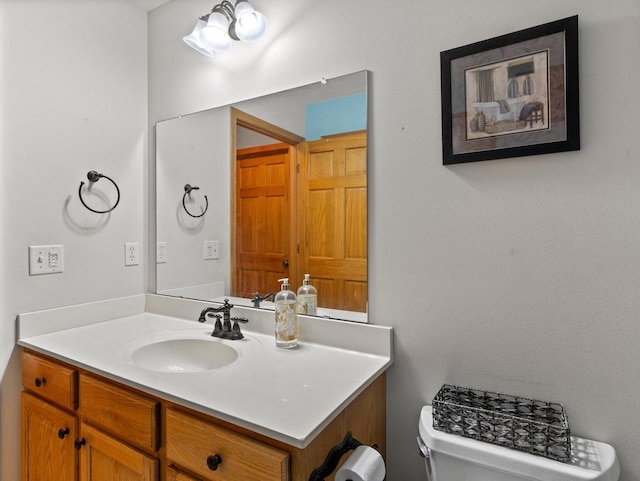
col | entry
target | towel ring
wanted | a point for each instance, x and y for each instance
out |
(94, 176)
(187, 191)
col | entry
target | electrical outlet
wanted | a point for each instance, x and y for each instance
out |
(211, 249)
(131, 254)
(46, 260)
(161, 253)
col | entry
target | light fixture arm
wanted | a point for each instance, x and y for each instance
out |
(226, 8)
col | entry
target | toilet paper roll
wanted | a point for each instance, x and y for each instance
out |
(365, 464)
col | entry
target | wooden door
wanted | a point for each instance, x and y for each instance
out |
(103, 458)
(47, 435)
(333, 180)
(264, 217)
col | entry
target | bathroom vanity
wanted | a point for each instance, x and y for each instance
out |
(91, 407)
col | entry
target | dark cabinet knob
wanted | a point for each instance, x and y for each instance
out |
(40, 381)
(285, 263)
(63, 432)
(78, 443)
(213, 462)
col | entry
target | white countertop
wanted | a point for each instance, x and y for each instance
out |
(286, 394)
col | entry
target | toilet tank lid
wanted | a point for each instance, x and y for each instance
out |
(590, 460)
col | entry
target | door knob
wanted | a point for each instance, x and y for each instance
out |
(285, 263)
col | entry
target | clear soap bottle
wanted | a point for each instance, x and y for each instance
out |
(286, 317)
(307, 298)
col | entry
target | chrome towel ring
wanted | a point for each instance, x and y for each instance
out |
(187, 191)
(94, 176)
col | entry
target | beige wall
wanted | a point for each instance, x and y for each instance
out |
(516, 275)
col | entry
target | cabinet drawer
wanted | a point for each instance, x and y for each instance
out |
(191, 441)
(50, 379)
(119, 411)
(173, 475)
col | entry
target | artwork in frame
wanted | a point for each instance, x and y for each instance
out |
(512, 95)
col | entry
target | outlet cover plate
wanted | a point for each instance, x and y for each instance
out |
(131, 254)
(161, 253)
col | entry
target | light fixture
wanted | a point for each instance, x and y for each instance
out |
(215, 31)
(249, 25)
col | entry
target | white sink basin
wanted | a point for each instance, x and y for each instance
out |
(183, 355)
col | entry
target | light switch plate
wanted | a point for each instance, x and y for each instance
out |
(46, 260)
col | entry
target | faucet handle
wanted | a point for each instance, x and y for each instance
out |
(236, 333)
(256, 299)
(217, 328)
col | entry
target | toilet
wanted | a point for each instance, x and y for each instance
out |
(449, 457)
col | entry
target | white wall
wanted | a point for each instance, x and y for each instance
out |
(73, 97)
(189, 151)
(516, 275)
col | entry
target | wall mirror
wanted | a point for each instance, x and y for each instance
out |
(264, 189)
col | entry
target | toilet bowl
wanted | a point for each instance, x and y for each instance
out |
(449, 457)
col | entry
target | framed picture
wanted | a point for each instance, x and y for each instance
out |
(512, 95)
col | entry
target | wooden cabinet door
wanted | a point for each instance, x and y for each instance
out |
(103, 458)
(118, 411)
(47, 437)
(333, 186)
(263, 219)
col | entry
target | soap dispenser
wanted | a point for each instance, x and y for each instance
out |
(286, 317)
(307, 298)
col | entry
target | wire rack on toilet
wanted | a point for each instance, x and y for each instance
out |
(535, 427)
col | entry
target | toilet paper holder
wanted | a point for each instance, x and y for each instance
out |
(333, 457)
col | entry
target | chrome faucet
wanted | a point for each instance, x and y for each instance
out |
(224, 329)
(257, 299)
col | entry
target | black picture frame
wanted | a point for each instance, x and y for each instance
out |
(513, 95)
